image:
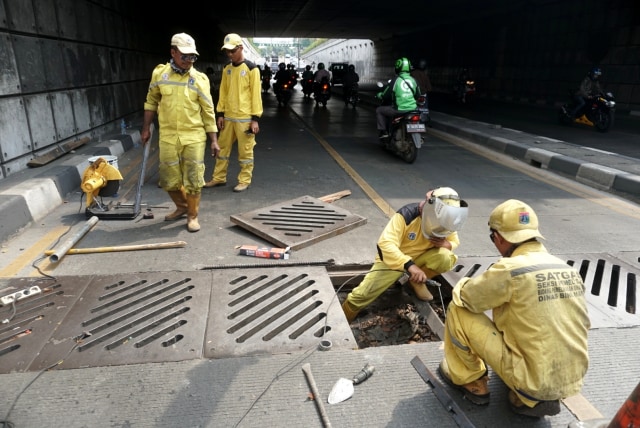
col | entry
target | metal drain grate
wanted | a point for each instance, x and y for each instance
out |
(611, 286)
(298, 223)
(170, 316)
(275, 309)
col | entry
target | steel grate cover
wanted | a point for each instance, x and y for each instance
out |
(275, 309)
(298, 223)
(611, 285)
(168, 316)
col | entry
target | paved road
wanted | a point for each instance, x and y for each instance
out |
(302, 151)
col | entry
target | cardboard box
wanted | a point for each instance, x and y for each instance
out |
(264, 252)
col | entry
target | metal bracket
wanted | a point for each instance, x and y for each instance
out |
(441, 394)
(19, 295)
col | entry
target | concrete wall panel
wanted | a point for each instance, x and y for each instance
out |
(62, 105)
(40, 120)
(9, 77)
(101, 105)
(14, 140)
(46, 18)
(54, 69)
(28, 53)
(74, 68)
(20, 16)
(3, 16)
(81, 110)
(67, 18)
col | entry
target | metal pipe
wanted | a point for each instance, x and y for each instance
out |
(69, 243)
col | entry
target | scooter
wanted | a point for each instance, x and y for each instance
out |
(266, 83)
(407, 131)
(307, 87)
(467, 93)
(283, 92)
(352, 96)
(598, 113)
(322, 93)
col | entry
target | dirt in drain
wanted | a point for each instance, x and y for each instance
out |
(393, 319)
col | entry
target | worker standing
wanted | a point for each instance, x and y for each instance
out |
(181, 97)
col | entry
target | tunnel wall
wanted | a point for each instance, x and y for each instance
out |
(534, 55)
(75, 68)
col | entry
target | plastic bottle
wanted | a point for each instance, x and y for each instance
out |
(123, 127)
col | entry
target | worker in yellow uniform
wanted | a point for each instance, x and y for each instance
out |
(536, 340)
(180, 96)
(239, 110)
(419, 239)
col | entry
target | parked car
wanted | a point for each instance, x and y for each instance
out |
(338, 69)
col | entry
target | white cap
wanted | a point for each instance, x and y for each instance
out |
(184, 43)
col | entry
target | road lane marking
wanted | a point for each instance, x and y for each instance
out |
(32, 253)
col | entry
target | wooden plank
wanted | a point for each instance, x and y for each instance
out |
(335, 196)
(56, 152)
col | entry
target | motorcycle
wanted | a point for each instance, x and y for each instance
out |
(266, 83)
(307, 87)
(598, 112)
(283, 92)
(322, 93)
(466, 92)
(352, 96)
(407, 131)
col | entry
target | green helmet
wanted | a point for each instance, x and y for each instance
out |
(403, 65)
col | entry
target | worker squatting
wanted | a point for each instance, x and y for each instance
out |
(559, 285)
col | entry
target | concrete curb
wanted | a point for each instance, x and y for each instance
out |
(32, 199)
(595, 175)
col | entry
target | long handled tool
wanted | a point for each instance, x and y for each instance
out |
(306, 368)
(175, 244)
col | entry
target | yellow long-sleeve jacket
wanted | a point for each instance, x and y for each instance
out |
(539, 306)
(183, 104)
(401, 241)
(240, 92)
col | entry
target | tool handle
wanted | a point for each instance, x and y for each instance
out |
(365, 373)
(306, 368)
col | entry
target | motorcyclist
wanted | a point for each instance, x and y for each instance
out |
(419, 73)
(265, 76)
(589, 89)
(397, 97)
(307, 75)
(318, 77)
(349, 79)
(463, 77)
(293, 73)
(282, 76)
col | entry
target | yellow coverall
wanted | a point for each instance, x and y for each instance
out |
(240, 102)
(185, 116)
(401, 243)
(537, 341)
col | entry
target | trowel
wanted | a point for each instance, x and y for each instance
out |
(343, 389)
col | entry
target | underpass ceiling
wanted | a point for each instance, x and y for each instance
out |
(340, 19)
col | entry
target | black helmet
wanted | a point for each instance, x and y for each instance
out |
(422, 64)
(308, 67)
(282, 66)
(321, 66)
(352, 67)
(403, 65)
(595, 73)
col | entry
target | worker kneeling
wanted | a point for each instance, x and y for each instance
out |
(536, 341)
(419, 239)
